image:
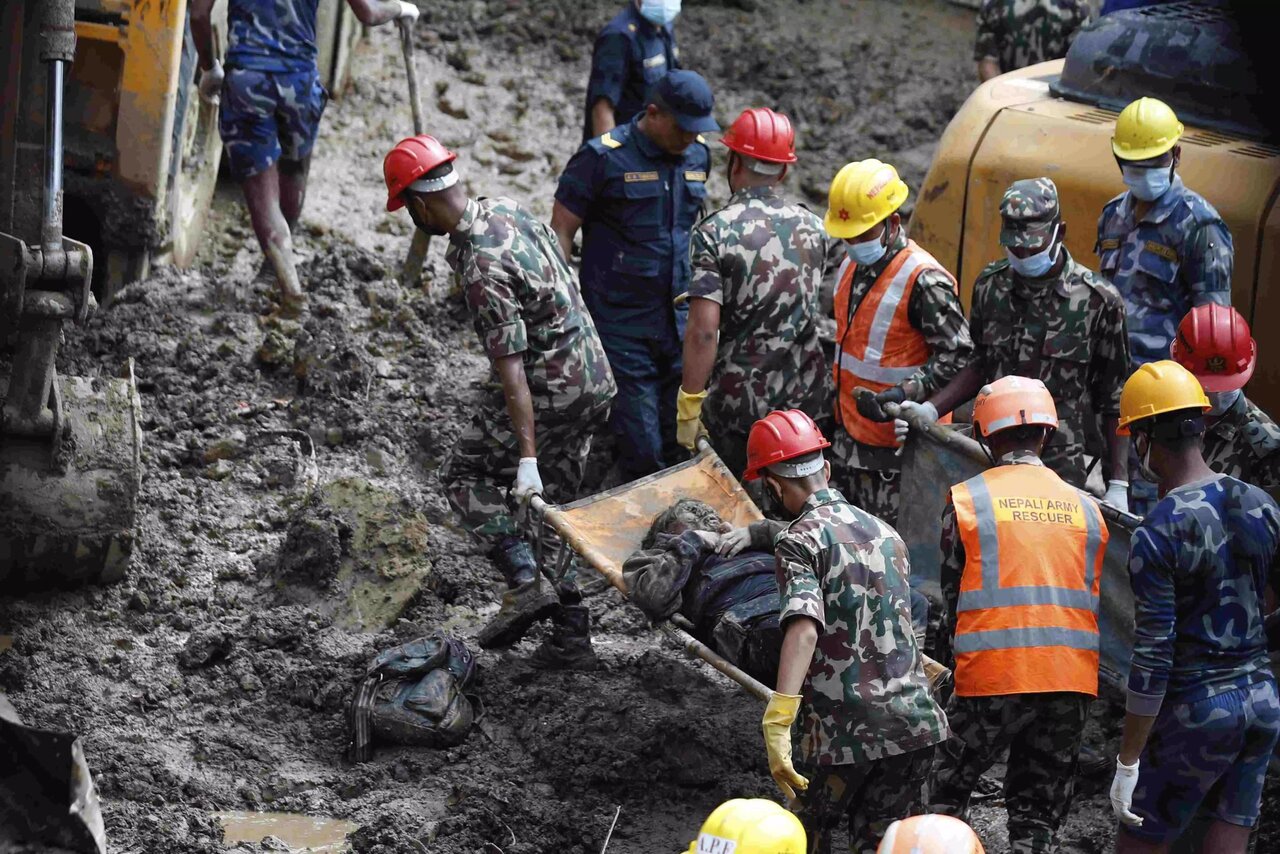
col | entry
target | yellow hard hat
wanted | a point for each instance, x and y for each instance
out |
(863, 194)
(1146, 128)
(751, 826)
(930, 834)
(1156, 388)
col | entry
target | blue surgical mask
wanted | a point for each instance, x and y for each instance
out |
(867, 252)
(1221, 401)
(1037, 265)
(659, 12)
(1147, 183)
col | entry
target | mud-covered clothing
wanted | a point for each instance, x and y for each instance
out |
(278, 36)
(865, 696)
(630, 55)
(1208, 756)
(871, 795)
(1068, 331)
(1179, 255)
(1042, 733)
(1018, 33)
(1199, 565)
(265, 117)
(763, 259)
(1245, 444)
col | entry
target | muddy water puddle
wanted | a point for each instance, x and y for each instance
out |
(301, 833)
(6, 641)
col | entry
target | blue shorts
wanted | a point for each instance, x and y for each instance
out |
(266, 116)
(1210, 756)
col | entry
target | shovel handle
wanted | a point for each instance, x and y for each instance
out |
(415, 98)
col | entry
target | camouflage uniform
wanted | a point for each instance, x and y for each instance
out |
(1041, 732)
(1068, 331)
(1198, 565)
(763, 260)
(1179, 255)
(1245, 443)
(866, 700)
(868, 474)
(1018, 33)
(523, 299)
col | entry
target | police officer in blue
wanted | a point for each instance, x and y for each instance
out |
(633, 52)
(637, 192)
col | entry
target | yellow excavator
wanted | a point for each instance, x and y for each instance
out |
(1057, 118)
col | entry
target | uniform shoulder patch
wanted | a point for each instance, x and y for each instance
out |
(607, 140)
(993, 268)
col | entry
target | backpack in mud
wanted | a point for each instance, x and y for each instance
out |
(414, 694)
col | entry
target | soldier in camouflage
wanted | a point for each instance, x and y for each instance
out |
(751, 343)
(272, 100)
(1203, 715)
(1161, 244)
(1013, 34)
(1038, 313)
(545, 353)
(850, 667)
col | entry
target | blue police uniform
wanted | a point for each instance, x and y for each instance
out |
(638, 205)
(631, 54)
(1179, 255)
(272, 98)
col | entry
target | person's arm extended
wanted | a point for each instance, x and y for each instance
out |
(936, 312)
(515, 388)
(565, 224)
(799, 640)
(988, 67)
(1117, 448)
(202, 31)
(962, 388)
(701, 335)
(1137, 729)
(373, 13)
(1154, 631)
(602, 116)
(1108, 370)
(986, 44)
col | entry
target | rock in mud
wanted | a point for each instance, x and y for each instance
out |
(206, 647)
(312, 545)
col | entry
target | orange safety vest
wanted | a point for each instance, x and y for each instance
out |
(878, 347)
(1027, 618)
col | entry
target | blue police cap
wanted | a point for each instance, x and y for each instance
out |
(686, 95)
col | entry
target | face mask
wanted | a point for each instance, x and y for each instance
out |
(1148, 184)
(773, 506)
(1222, 401)
(868, 252)
(659, 12)
(1037, 265)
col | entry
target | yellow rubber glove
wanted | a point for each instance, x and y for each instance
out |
(689, 418)
(778, 717)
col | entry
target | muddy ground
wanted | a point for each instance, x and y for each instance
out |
(281, 458)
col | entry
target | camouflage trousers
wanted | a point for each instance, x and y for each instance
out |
(1042, 733)
(480, 469)
(872, 795)
(875, 491)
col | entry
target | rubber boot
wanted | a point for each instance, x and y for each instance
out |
(526, 601)
(569, 647)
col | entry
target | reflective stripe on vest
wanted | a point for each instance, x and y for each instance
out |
(1026, 620)
(882, 350)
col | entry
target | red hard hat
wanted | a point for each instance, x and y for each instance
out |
(781, 436)
(410, 160)
(763, 134)
(1214, 344)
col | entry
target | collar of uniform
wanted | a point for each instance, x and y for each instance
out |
(1163, 206)
(822, 496)
(768, 192)
(1233, 420)
(1025, 458)
(1065, 283)
(469, 214)
(647, 147)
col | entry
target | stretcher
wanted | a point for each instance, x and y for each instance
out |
(605, 528)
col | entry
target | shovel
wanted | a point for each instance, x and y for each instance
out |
(421, 240)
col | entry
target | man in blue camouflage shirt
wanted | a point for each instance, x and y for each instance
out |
(1202, 715)
(271, 102)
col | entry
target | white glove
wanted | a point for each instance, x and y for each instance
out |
(211, 83)
(1118, 494)
(408, 12)
(528, 481)
(1126, 780)
(924, 411)
(734, 542)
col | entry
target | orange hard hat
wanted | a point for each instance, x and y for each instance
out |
(1215, 344)
(930, 834)
(781, 436)
(763, 134)
(1013, 401)
(409, 161)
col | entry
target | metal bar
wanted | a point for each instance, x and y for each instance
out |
(51, 226)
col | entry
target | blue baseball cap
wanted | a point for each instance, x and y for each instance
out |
(687, 96)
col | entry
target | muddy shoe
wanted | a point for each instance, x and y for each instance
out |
(569, 647)
(522, 606)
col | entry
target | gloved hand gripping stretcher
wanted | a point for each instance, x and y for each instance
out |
(604, 529)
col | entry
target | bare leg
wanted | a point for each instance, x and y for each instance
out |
(1129, 844)
(293, 188)
(262, 194)
(1225, 838)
